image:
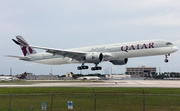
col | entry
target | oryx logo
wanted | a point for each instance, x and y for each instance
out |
(25, 49)
(93, 57)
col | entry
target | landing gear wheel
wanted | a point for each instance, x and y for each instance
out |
(99, 68)
(93, 68)
(96, 68)
(79, 68)
(166, 60)
(82, 67)
(86, 67)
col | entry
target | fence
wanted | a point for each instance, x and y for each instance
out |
(89, 102)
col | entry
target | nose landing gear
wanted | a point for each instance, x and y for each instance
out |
(166, 56)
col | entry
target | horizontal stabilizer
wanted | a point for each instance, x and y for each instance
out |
(19, 57)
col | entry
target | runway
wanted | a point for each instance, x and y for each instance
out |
(107, 83)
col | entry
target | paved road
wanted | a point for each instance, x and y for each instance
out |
(109, 83)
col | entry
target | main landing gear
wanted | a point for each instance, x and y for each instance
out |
(96, 68)
(82, 67)
(166, 56)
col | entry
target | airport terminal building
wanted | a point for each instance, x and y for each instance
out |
(41, 77)
(141, 71)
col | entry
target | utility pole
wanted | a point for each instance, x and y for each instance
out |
(10, 71)
(51, 70)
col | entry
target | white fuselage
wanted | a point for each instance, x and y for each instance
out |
(113, 52)
(8, 78)
(88, 78)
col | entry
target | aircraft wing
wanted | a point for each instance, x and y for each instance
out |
(78, 55)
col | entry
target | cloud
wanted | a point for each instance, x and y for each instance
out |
(12, 60)
(164, 20)
(178, 64)
(29, 64)
(177, 42)
(143, 62)
(153, 20)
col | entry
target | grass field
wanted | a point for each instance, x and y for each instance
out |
(107, 99)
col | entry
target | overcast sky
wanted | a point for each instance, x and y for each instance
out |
(68, 24)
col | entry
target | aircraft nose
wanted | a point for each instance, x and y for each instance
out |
(174, 48)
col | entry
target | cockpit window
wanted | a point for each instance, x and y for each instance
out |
(169, 43)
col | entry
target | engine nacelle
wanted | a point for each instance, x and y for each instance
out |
(94, 57)
(119, 62)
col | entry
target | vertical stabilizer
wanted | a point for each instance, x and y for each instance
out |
(24, 46)
(23, 76)
(73, 75)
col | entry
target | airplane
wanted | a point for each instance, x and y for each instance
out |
(12, 78)
(117, 54)
(85, 77)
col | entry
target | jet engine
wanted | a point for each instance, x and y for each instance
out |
(94, 57)
(119, 62)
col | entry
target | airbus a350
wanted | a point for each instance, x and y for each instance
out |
(117, 54)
